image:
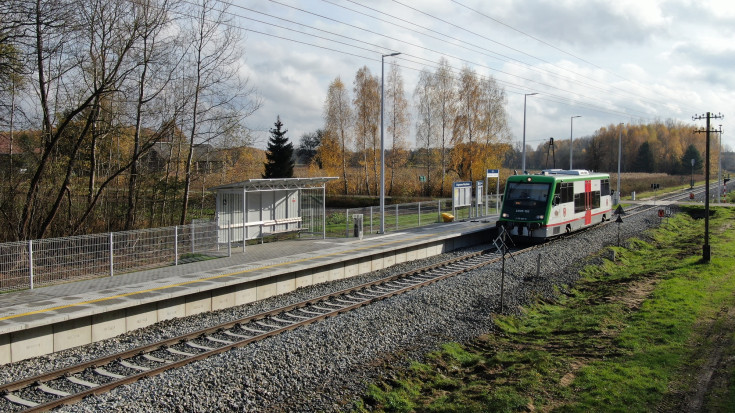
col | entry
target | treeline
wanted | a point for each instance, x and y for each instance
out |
(460, 128)
(660, 147)
(114, 112)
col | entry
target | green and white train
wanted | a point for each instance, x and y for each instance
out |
(554, 202)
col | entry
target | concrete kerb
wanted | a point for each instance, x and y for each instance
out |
(94, 321)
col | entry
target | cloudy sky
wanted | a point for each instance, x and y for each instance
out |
(630, 61)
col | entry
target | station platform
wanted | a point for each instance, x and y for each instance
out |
(50, 319)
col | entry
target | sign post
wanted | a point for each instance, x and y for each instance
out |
(461, 195)
(479, 193)
(494, 173)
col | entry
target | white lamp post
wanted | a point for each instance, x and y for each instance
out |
(382, 145)
(620, 151)
(571, 141)
(523, 149)
(719, 169)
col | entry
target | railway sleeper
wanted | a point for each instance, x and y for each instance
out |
(130, 365)
(280, 320)
(235, 335)
(199, 346)
(21, 401)
(266, 325)
(155, 359)
(103, 372)
(82, 382)
(50, 390)
(218, 340)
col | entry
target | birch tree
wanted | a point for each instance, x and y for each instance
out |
(466, 123)
(444, 89)
(337, 125)
(398, 120)
(366, 89)
(426, 124)
(493, 122)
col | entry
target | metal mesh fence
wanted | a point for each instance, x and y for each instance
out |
(399, 216)
(29, 264)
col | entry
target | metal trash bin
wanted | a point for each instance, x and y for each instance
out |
(357, 222)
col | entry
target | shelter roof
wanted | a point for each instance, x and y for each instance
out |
(272, 184)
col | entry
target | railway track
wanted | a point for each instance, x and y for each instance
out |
(69, 385)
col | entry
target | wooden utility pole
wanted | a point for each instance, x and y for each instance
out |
(706, 255)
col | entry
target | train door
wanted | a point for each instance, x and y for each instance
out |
(587, 202)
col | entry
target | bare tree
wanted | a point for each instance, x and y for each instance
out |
(366, 101)
(216, 94)
(398, 121)
(446, 102)
(154, 52)
(337, 121)
(81, 78)
(467, 121)
(493, 121)
(426, 124)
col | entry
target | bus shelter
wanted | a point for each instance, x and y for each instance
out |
(256, 208)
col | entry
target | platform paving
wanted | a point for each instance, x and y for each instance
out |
(48, 319)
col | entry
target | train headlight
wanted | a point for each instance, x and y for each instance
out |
(505, 215)
(539, 217)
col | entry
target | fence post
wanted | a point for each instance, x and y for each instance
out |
(112, 261)
(30, 260)
(419, 213)
(176, 245)
(371, 219)
(347, 223)
(229, 241)
(396, 217)
(439, 209)
(191, 236)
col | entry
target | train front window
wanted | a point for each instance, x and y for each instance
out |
(521, 191)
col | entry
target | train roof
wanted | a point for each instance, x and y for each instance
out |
(553, 175)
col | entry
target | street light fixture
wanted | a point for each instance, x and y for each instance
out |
(382, 145)
(571, 146)
(523, 150)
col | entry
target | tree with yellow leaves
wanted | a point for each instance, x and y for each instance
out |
(337, 126)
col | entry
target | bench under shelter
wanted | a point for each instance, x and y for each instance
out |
(256, 208)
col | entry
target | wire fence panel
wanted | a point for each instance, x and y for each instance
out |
(36, 263)
(14, 266)
(397, 217)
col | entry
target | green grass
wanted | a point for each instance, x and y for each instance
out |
(629, 336)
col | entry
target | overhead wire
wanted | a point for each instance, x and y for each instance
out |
(549, 97)
(431, 50)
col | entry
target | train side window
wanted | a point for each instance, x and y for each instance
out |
(596, 199)
(579, 203)
(567, 192)
(605, 186)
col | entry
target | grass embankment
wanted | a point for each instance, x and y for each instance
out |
(632, 335)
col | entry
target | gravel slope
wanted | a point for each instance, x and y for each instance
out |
(324, 366)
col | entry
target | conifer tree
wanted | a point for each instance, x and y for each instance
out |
(280, 154)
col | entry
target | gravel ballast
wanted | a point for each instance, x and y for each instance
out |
(326, 366)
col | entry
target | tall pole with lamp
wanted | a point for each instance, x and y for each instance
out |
(382, 145)
(571, 141)
(523, 149)
(620, 151)
(719, 168)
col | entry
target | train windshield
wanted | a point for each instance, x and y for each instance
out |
(527, 191)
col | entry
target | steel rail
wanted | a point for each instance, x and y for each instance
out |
(419, 281)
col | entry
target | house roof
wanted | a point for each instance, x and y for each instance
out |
(275, 184)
